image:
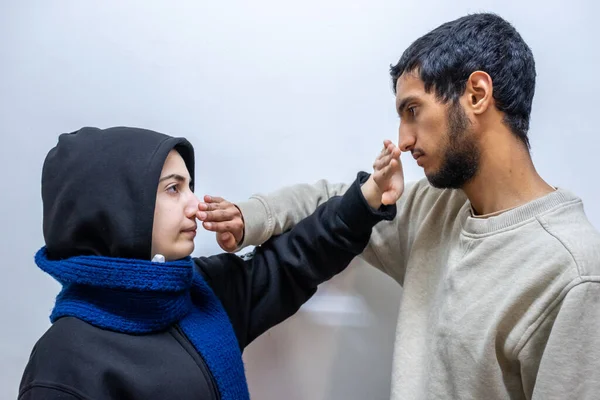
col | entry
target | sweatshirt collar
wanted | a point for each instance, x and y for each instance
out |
(518, 215)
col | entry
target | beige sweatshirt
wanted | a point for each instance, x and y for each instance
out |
(506, 307)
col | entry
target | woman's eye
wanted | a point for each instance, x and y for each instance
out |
(172, 189)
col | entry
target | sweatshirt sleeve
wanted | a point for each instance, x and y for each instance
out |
(567, 362)
(264, 288)
(275, 213)
(272, 214)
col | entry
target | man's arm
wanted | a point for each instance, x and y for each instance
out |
(264, 216)
(562, 359)
(271, 215)
(261, 291)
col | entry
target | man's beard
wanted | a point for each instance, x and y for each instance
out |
(461, 157)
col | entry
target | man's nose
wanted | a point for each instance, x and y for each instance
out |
(406, 139)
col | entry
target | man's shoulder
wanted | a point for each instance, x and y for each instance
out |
(569, 225)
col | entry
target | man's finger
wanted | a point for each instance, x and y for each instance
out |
(213, 199)
(215, 206)
(218, 215)
(220, 227)
(207, 206)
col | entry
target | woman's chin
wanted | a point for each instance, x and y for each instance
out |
(180, 252)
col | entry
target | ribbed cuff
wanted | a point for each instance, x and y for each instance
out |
(257, 222)
(356, 212)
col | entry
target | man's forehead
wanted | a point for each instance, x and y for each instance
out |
(409, 88)
(409, 84)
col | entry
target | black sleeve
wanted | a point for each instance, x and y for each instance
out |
(264, 288)
(48, 392)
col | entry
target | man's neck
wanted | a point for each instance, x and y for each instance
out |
(506, 178)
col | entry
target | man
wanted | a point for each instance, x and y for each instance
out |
(500, 271)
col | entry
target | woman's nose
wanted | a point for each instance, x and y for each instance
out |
(191, 208)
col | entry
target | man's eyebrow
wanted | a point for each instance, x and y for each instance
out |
(402, 105)
(177, 177)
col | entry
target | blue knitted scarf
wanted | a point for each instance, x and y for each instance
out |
(137, 297)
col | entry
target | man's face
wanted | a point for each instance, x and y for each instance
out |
(174, 225)
(438, 135)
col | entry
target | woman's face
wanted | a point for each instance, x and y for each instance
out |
(174, 225)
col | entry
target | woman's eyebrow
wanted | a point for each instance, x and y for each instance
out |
(173, 176)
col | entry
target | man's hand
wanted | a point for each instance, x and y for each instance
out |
(224, 218)
(386, 183)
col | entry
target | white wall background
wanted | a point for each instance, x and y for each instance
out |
(270, 93)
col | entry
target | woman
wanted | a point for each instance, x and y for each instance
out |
(116, 203)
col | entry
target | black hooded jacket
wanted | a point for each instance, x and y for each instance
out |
(99, 192)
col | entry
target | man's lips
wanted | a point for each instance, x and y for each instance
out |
(417, 155)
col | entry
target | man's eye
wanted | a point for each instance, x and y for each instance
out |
(412, 110)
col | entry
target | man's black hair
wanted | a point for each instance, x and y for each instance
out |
(445, 58)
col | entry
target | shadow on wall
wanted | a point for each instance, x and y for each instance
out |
(339, 346)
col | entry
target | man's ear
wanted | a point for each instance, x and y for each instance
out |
(479, 92)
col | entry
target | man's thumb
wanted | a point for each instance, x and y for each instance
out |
(227, 241)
